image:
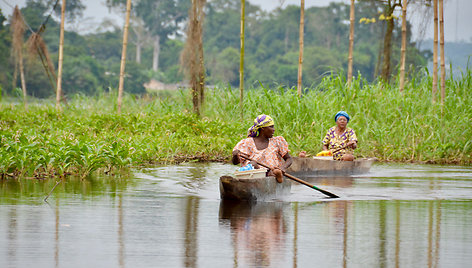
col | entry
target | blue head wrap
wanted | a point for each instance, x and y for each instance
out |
(341, 113)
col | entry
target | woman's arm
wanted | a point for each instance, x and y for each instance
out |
(235, 158)
(288, 162)
(352, 144)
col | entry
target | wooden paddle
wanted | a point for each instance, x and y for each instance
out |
(293, 178)
(339, 149)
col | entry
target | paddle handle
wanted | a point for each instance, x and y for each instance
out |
(293, 178)
(339, 149)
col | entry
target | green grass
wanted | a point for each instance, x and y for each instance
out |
(89, 136)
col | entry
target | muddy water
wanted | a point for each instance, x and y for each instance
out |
(172, 216)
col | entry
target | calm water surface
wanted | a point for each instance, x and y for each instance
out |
(171, 216)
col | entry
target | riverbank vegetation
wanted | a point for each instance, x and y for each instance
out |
(89, 135)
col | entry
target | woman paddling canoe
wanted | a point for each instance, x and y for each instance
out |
(263, 147)
(340, 139)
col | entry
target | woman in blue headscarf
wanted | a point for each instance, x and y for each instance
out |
(341, 137)
(262, 146)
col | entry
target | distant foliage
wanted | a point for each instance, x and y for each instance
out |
(91, 61)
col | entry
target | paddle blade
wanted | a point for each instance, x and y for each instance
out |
(331, 195)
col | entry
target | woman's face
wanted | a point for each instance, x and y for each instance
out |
(268, 131)
(341, 122)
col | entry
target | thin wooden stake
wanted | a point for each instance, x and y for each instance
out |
(300, 56)
(241, 60)
(46, 198)
(351, 44)
(403, 49)
(123, 55)
(435, 52)
(441, 47)
(61, 55)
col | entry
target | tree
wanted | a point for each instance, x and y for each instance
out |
(140, 34)
(192, 56)
(5, 44)
(18, 29)
(161, 18)
(389, 8)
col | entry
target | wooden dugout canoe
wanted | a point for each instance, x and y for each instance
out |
(325, 165)
(252, 189)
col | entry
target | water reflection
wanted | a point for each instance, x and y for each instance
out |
(168, 219)
(56, 234)
(121, 247)
(191, 232)
(337, 181)
(31, 190)
(258, 231)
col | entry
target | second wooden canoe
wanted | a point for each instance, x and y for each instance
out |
(325, 165)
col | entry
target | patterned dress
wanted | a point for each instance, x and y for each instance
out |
(271, 156)
(334, 141)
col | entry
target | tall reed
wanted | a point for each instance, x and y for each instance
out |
(89, 136)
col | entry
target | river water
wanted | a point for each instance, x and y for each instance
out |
(397, 215)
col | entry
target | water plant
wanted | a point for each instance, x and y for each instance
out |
(90, 136)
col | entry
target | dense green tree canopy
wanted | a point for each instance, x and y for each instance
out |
(91, 61)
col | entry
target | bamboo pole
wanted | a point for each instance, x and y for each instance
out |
(22, 76)
(61, 55)
(123, 55)
(300, 56)
(351, 44)
(441, 47)
(241, 60)
(435, 52)
(403, 49)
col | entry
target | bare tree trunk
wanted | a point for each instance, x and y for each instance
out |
(123, 55)
(194, 69)
(18, 29)
(155, 55)
(140, 33)
(286, 39)
(441, 47)
(403, 49)
(379, 54)
(61, 55)
(15, 76)
(300, 56)
(435, 52)
(192, 55)
(351, 44)
(138, 51)
(241, 60)
(387, 46)
(201, 70)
